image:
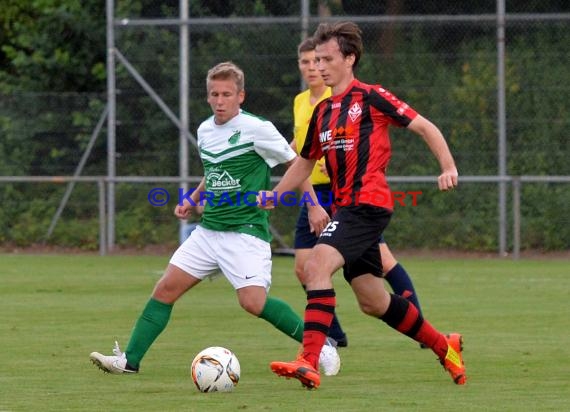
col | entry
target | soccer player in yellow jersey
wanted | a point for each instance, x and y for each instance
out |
(305, 237)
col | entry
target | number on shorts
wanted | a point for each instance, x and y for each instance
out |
(331, 227)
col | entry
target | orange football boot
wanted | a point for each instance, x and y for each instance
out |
(299, 369)
(453, 361)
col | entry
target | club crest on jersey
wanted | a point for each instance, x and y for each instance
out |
(354, 112)
(234, 137)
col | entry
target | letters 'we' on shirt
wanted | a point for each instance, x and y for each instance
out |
(351, 131)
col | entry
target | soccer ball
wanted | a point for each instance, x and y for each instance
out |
(215, 369)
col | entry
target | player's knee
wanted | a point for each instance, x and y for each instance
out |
(299, 272)
(252, 306)
(165, 296)
(311, 269)
(388, 264)
(167, 291)
(388, 260)
(370, 309)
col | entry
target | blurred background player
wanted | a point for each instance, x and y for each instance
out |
(305, 238)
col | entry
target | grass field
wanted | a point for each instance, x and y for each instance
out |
(57, 309)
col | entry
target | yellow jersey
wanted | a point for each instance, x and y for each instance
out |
(302, 112)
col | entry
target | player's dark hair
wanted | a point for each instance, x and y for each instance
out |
(306, 45)
(347, 35)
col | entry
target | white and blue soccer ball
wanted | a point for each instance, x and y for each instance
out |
(215, 369)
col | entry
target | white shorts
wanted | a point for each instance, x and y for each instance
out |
(244, 260)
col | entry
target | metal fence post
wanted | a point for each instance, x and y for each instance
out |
(501, 126)
(516, 218)
(111, 123)
(102, 220)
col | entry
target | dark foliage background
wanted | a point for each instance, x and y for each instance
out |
(53, 88)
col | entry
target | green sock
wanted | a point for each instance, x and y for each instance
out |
(281, 315)
(150, 324)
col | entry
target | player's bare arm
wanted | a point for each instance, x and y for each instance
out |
(448, 178)
(318, 216)
(293, 178)
(293, 145)
(186, 210)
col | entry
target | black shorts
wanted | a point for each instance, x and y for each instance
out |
(354, 232)
(304, 238)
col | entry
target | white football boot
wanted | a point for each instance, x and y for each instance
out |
(115, 364)
(329, 360)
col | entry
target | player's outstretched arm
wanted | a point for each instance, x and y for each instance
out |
(318, 216)
(293, 178)
(448, 178)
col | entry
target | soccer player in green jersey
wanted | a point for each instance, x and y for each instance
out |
(238, 151)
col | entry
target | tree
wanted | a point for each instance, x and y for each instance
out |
(52, 45)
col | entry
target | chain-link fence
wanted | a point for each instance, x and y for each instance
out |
(444, 60)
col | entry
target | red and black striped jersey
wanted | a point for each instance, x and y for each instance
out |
(351, 131)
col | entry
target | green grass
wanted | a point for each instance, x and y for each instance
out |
(55, 310)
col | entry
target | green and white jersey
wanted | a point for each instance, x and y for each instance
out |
(238, 157)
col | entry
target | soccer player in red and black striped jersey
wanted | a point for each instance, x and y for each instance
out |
(350, 129)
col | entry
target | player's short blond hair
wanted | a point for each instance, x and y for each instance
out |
(225, 71)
